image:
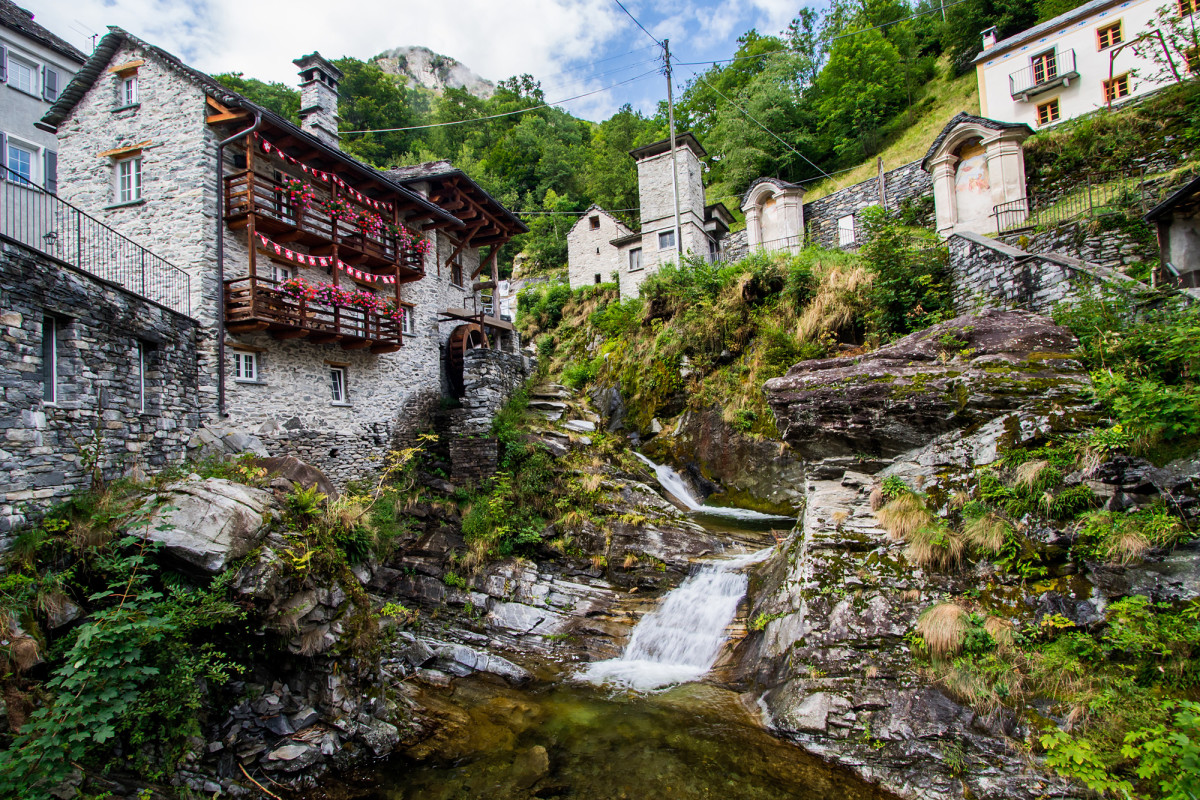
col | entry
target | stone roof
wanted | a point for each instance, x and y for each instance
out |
(91, 71)
(776, 182)
(963, 117)
(1085, 10)
(428, 169)
(685, 139)
(438, 170)
(15, 18)
(595, 207)
(1183, 195)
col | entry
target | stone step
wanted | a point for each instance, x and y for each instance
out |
(580, 425)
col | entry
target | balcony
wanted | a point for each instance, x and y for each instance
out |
(249, 195)
(256, 304)
(1045, 73)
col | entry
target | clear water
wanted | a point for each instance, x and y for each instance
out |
(679, 641)
(693, 742)
(674, 485)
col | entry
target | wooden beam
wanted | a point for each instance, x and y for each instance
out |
(495, 251)
(228, 116)
(466, 240)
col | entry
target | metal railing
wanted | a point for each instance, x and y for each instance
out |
(42, 221)
(1044, 73)
(1097, 194)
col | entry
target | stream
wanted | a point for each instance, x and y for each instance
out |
(637, 726)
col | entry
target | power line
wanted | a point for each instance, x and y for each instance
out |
(734, 58)
(506, 113)
(576, 69)
(635, 22)
(764, 127)
(594, 76)
(897, 21)
(571, 213)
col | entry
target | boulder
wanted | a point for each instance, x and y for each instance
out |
(950, 376)
(297, 471)
(208, 523)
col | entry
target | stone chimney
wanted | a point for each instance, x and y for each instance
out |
(989, 38)
(319, 98)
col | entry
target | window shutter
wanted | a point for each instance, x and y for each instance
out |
(49, 84)
(3, 157)
(51, 173)
(3, 63)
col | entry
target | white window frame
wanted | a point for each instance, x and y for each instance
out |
(281, 272)
(134, 166)
(409, 326)
(130, 91)
(245, 366)
(845, 230)
(49, 360)
(35, 156)
(337, 386)
(665, 234)
(635, 258)
(34, 69)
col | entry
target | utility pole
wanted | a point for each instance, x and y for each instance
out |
(674, 160)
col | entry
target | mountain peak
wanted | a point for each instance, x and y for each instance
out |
(423, 67)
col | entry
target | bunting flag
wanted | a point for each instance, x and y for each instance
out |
(320, 261)
(325, 177)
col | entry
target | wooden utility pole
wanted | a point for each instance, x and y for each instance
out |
(674, 160)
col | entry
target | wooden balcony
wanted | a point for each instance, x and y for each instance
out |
(257, 305)
(248, 194)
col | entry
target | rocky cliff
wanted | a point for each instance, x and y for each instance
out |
(425, 68)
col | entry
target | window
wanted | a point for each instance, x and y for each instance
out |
(666, 240)
(20, 161)
(49, 360)
(714, 251)
(845, 230)
(283, 203)
(280, 273)
(598, 279)
(337, 383)
(141, 358)
(456, 274)
(129, 180)
(245, 366)
(22, 75)
(129, 90)
(408, 324)
(1109, 35)
(1186, 7)
(1117, 88)
(1192, 57)
(1045, 67)
(595, 221)
(1048, 112)
(635, 259)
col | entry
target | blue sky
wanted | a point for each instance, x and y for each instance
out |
(572, 46)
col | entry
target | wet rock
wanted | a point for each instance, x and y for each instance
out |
(460, 660)
(898, 397)
(208, 523)
(292, 757)
(580, 425)
(381, 737)
(608, 402)
(530, 766)
(296, 471)
(1163, 577)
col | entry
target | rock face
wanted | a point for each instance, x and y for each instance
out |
(208, 523)
(947, 377)
(426, 68)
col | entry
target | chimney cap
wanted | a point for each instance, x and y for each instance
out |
(315, 60)
(990, 35)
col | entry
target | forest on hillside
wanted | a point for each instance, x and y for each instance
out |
(833, 89)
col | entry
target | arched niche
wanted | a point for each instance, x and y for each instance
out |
(978, 170)
(774, 212)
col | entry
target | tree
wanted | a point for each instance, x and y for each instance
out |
(860, 87)
(277, 97)
(370, 99)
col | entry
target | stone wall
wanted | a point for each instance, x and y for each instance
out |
(1095, 241)
(908, 183)
(490, 378)
(589, 252)
(99, 411)
(991, 274)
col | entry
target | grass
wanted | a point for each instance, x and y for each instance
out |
(943, 629)
(944, 97)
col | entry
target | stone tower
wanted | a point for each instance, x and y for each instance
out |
(319, 97)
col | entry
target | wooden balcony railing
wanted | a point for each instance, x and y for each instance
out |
(248, 193)
(255, 304)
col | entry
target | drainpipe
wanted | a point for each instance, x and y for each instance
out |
(221, 259)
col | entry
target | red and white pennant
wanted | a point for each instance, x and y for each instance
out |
(321, 261)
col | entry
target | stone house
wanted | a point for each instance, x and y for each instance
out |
(589, 247)
(1177, 222)
(635, 255)
(327, 292)
(35, 66)
(1078, 62)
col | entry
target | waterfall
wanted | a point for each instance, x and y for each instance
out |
(672, 482)
(679, 641)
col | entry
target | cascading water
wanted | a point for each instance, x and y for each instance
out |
(672, 482)
(680, 640)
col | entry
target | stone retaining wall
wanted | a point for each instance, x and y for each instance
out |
(102, 413)
(490, 378)
(903, 184)
(992, 274)
(1093, 241)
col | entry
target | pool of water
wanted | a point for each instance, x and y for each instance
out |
(692, 742)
